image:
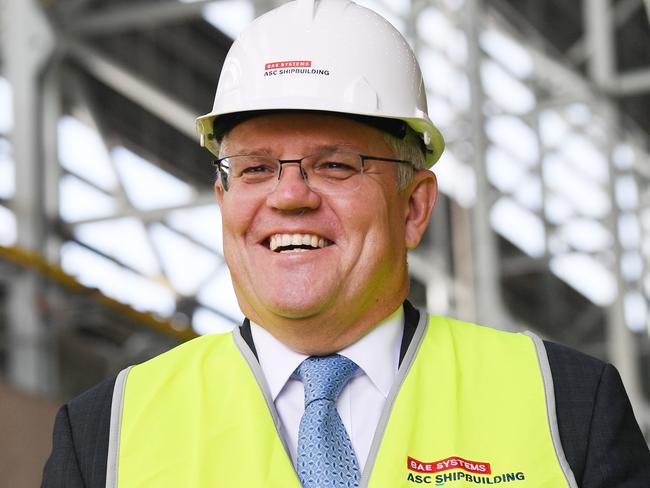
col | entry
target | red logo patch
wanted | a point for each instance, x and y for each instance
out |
(287, 64)
(453, 462)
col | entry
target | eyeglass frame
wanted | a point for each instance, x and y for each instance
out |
(363, 157)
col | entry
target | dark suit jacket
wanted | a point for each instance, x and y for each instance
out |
(601, 439)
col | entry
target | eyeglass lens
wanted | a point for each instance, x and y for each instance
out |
(332, 172)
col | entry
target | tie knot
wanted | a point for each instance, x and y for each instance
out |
(325, 376)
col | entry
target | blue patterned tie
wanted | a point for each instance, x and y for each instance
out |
(325, 454)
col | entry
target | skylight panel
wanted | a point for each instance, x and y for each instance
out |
(456, 179)
(587, 275)
(587, 235)
(505, 90)
(7, 173)
(435, 28)
(515, 136)
(553, 128)
(504, 171)
(627, 192)
(186, 265)
(636, 311)
(147, 186)
(8, 229)
(387, 11)
(632, 266)
(219, 294)
(629, 231)
(81, 201)
(205, 321)
(229, 16)
(508, 52)
(82, 152)
(586, 157)
(116, 282)
(588, 198)
(124, 239)
(520, 226)
(529, 193)
(201, 223)
(6, 107)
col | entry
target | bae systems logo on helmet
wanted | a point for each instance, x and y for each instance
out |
(298, 67)
(476, 472)
(287, 64)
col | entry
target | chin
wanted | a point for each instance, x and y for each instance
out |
(296, 305)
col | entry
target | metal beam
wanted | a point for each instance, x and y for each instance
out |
(599, 34)
(631, 83)
(623, 11)
(85, 108)
(136, 89)
(51, 171)
(155, 215)
(622, 347)
(71, 7)
(487, 288)
(27, 46)
(135, 16)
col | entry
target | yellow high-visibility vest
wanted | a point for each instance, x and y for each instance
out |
(470, 406)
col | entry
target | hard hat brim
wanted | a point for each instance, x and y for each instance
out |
(211, 132)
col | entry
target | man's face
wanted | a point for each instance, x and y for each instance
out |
(363, 263)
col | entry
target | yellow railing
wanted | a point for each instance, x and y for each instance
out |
(35, 262)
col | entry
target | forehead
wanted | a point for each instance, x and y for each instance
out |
(305, 132)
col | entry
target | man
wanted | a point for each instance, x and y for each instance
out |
(323, 140)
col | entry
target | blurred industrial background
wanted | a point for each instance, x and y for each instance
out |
(110, 248)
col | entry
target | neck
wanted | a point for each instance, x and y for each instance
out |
(326, 333)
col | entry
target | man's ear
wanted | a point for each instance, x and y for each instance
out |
(218, 191)
(422, 194)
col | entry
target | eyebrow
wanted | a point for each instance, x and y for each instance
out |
(267, 151)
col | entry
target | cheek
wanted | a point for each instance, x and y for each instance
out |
(388, 230)
(236, 216)
(229, 228)
(378, 229)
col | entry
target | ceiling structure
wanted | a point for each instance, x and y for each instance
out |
(565, 26)
(506, 241)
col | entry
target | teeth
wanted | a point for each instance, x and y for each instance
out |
(283, 240)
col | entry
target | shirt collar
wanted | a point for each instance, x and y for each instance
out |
(377, 354)
(277, 361)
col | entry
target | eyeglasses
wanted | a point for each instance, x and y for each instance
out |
(327, 172)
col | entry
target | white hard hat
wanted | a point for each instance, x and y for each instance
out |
(323, 55)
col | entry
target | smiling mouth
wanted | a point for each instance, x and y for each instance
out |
(296, 242)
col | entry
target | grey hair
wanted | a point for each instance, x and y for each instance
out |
(408, 148)
(221, 147)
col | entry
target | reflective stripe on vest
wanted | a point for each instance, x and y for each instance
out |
(201, 415)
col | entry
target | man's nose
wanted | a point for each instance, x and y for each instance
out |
(292, 191)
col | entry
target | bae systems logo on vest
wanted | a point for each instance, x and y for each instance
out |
(462, 470)
(297, 67)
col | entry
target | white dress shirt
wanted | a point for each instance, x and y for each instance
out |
(362, 399)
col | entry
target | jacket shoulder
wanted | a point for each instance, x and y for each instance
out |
(82, 427)
(572, 363)
(90, 418)
(599, 433)
(80, 440)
